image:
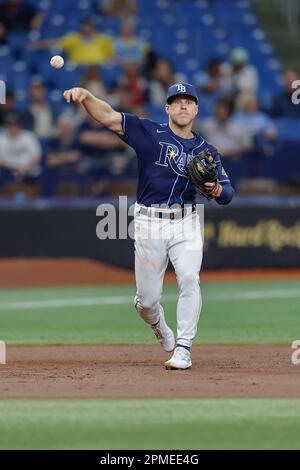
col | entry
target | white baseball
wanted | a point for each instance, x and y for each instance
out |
(57, 61)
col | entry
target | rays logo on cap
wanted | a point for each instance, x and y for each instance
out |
(181, 88)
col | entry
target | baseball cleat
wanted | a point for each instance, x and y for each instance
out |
(181, 359)
(163, 333)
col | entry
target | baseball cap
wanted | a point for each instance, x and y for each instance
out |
(182, 89)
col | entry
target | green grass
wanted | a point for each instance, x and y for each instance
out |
(150, 424)
(249, 312)
(232, 313)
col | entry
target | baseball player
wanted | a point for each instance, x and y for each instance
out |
(167, 226)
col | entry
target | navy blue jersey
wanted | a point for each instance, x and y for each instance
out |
(162, 159)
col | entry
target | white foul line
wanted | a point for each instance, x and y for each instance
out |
(126, 299)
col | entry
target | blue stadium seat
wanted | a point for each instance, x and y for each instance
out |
(275, 166)
(16, 43)
(188, 33)
(110, 74)
(289, 129)
(56, 101)
(68, 77)
(19, 76)
(6, 59)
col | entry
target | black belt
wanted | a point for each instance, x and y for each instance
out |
(150, 212)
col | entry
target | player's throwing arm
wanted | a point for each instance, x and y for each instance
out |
(98, 109)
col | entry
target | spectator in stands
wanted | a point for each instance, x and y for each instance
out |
(62, 149)
(123, 102)
(211, 81)
(41, 111)
(17, 16)
(149, 64)
(128, 47)
(96, 141)
(262, 130)
(88, 47)
(228, 136)
(25, 116)
(282, 105)
(8, 106)
(62, 159)
(163, 78)
(212, 85)
(84, 48)
(118, 7)
(20, 151)
(254, 121)
(104, 154)
(133, 84)
(73, 114)
(241, 77)
(92, 80)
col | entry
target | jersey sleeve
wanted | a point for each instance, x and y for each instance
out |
(228, 191)
(136, 131)
(222, 175)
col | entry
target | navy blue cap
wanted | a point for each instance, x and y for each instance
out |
(182, 89)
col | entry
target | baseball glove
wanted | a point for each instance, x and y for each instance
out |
(202, 169)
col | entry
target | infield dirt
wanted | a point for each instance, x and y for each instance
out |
(121, 371)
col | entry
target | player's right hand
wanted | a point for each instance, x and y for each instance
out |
(76, 94)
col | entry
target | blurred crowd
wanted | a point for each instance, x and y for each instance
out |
(46, 153)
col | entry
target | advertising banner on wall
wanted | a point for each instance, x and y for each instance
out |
(234, 237)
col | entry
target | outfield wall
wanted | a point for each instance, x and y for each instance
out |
(235, 236)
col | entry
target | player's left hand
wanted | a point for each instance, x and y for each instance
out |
(214, 188)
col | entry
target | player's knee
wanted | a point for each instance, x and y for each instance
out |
(146, 303)
(148, 308)
(187, 279)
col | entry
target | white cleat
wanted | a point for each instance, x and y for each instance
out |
(163, 333)
(181, 359)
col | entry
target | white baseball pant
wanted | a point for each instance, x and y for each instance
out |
(156, 241)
